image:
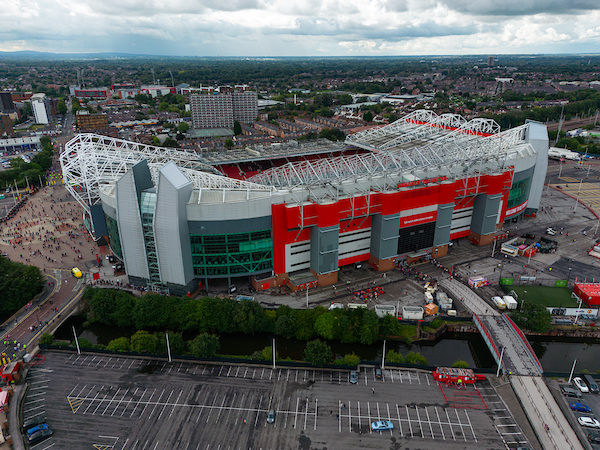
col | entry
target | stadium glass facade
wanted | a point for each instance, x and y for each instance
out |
(232, 254)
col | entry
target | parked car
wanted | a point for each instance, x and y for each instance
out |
(591, 383)
(568, 391)
(580, 407)
(271, 416)
(378, 373)
(594, 437)
(39, 436)
(353, 377)
(42, 426)
(551, 231)
(29, 423)
(590, 422)
(580, 385)
(382, 425)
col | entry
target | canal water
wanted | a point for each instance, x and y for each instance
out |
(556, 355)
(443, 352)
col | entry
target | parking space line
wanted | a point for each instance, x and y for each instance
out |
(109, 403)
(119, 402)
(258, 410)
(409, 422)
(73, 390)
(349, 416)
(427, 378)
(73, 363)
(109, 360)
(148, 402)
(165, 405)
(129, 402)
(176, 401)
(245, 372)
(450, 424)
(471, 426)
(138, 403)
(220, 409)
(399, 421)
(460, 424)
(35, 395)
(440, 422)
(202, 409)
(99, 361)
(359, 422)
(388, 410)
(419, 419)
(430, 426)
(36, 388)
(231, 409)
(369, 413)
(132, 361)
(124, 361)
(296, 416)
(241, 403)
(99, 403)
(33, 409)
(211, 408)
(306, 413)
(94, 399)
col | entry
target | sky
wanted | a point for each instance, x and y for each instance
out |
(301, 27)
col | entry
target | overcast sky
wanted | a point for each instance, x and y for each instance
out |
(301, 27)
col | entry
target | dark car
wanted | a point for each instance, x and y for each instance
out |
(39, 436)
(378, 373)
(30, 423)
(353, 377)
(594, 437)
(271, 416)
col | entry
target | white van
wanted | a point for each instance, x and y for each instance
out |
(499, 302)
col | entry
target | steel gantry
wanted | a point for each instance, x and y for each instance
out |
(91, 163)
(462, 148)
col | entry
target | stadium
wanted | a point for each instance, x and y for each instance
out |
(291, 214)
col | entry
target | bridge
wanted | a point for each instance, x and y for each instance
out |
(515, 357)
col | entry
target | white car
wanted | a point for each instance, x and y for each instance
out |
(580, 384)
(551, 231)
(588, 422)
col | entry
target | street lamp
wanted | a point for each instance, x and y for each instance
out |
(501, 267)
(569, 277)
(523, 299)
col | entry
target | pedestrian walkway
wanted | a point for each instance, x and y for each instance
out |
(542, 409)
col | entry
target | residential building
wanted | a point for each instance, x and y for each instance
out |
(6, 128)
(41, 108)
(91, 122)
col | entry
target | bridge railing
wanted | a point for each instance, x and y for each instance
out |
(487, 337)
(521, 335)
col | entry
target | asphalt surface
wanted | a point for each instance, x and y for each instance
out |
(107, 402)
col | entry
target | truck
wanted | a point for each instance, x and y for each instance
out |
(510, 302)
(499, 302)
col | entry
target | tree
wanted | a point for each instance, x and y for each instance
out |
(415, 358)
(228, 143)
(119, 345)
(317, 353)
(144, 342)
(533, 317)
(345, 99)
(284, 326)
(47, 339)
(393, 357)
(350, 359)
(170, 142)
(183, 127)
(460, 364)
(237, 128)
(368, 116)
(61, 108)
(204, 345)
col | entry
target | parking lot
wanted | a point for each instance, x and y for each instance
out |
(590, 399)
(100, 401)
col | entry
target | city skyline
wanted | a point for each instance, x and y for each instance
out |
(307, 28)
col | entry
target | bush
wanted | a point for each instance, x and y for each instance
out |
(204, 345)
(460, 364)
(47, 339)
(119, 345)
(416, 358)
(348, 360)
(317, 353)
(394, 357)
(437, 323)
(83, 343)
(144, 342)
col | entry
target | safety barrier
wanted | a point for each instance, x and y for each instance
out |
(487, 337)
(521, 335)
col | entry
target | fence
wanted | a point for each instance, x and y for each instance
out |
(517, 330)
(487, 337)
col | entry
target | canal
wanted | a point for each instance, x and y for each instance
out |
(556, 355)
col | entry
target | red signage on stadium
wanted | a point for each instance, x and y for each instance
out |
(419, 182)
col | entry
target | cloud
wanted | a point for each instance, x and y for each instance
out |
(520, 7)
(303, 28)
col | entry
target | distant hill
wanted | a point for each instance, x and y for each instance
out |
(32, 55)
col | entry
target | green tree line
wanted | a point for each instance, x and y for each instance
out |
(211, 315)
(32, 171)
(19, 283)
